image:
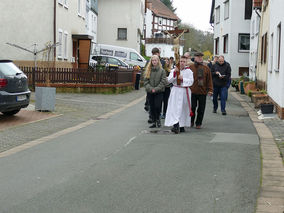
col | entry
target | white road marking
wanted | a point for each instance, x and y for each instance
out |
(128, 142)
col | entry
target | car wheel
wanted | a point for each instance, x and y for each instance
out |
(13, 112)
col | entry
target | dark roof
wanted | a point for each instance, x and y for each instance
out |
(159, 9)
(212, 12)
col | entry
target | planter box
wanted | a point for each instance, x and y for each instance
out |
(255, 93)
(45, 98)
(266, 108)
(258, 99)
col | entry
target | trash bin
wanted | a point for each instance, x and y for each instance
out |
(137, 81)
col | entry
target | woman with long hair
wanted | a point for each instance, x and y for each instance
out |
(154, 82)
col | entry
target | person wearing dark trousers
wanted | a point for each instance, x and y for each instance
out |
(221, 73)
(201, 87)
(154, 82)
(155, 51)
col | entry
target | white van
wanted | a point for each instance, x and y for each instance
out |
(128, 55)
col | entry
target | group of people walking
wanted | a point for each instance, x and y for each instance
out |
(184, 90)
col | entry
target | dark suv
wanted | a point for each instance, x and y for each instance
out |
(14, 91)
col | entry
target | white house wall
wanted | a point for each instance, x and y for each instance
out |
(25, 23)
(275, 86)
(149, 23)
(165, 49)
(92, 25)
(70, 22)
(232, 26)
(115, 14)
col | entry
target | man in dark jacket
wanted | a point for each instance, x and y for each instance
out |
(221, 74)
(202, 86)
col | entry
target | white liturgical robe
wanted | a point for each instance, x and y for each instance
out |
(178, 110)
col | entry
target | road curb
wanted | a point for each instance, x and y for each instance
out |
(271, 193)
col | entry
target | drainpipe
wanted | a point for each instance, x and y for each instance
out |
(54, 31)
(257, 48)
(256, 11)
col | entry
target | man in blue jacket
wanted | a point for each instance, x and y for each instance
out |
(221, 74)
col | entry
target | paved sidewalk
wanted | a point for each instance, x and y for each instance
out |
(271, 196)
(275, 125)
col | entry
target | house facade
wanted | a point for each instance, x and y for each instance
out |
(231, 21)
(263, 46)
(121, 22)
(44, 23)
(254, 38)
(159, 18)
(92, 21)
(275, 78)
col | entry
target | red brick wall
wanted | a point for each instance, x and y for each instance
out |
(279, 110)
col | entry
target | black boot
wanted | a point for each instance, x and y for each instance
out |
(154, 125)
(159, 123)
(175, 129)
(181, 129)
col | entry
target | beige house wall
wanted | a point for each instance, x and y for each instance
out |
(262, 68)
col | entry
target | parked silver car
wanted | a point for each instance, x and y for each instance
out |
(14, 91)
(109, 61)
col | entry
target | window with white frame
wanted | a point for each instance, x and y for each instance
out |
(278, 47)
(244, 42)
(218, 15)
(226, 9)
(65, 42)
(271, 52)
(217, 46)
(226, 43)
(122, 34)
(60, 32)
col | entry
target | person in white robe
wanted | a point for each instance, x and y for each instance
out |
(179, 107)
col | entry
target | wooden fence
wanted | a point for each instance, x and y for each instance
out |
(78, 76)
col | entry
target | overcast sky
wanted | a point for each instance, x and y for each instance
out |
(194, 12)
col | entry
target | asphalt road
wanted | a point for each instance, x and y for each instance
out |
(117, 165)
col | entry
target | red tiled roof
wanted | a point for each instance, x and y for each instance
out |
(159, 9)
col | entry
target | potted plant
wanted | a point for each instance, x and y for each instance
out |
(248, 86)
(235, 84)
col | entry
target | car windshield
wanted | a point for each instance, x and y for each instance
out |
(9, 69)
